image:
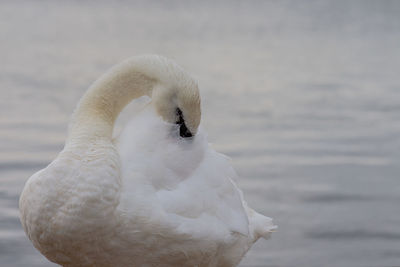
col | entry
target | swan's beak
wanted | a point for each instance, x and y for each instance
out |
(183, 130)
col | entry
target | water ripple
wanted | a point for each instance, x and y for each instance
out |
(353, 235)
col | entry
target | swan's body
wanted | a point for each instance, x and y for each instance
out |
(148, 198)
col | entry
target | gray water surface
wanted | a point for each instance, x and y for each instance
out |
(304, 96)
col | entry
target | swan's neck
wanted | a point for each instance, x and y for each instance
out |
(98, 109)
(169, 86)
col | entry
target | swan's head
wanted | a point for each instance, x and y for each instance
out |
(180, 105)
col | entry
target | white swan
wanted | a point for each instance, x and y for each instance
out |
(149, 198)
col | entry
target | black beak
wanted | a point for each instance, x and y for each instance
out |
(183, 130)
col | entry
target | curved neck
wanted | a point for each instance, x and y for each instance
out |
(98, 109)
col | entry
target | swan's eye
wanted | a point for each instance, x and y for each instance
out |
(183, 130)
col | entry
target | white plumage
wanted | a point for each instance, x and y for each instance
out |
(148, 198)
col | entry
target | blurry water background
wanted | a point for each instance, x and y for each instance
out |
(304, 96)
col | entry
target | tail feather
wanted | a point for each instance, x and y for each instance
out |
(262, 226)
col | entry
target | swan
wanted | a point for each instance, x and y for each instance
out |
(157, 195)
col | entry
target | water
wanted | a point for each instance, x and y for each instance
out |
(303, 96)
